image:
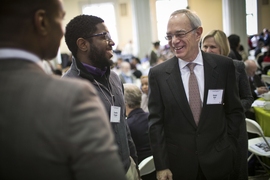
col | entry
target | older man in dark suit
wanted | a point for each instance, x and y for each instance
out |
(50, 128)
(257, 86)
(195, 112)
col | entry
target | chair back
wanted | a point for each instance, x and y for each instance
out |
(264, 64)
(254, 127)
(147, 166)
(266, 78)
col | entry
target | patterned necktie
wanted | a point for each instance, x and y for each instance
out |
(194, 94)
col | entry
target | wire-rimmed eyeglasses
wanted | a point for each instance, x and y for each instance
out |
(178, 35)
(106, 35)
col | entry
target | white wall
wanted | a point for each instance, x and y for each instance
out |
(124, 23)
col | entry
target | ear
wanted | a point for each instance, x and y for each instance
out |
(82, 44)
(41, 22)
(199, 32)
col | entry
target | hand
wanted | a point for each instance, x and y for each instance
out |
(165, 174)
(262, 90)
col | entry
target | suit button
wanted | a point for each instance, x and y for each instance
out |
(196, 152)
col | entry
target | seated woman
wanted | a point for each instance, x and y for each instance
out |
(216, 42)
(137, 121)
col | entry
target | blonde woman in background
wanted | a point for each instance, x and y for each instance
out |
(216, 42)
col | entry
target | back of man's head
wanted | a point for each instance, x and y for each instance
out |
(15, 13)
(26, 24)
(251, 67)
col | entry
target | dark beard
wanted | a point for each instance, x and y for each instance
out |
(98, 58)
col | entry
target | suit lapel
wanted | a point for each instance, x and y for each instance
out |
(176, 87)
(210, 82)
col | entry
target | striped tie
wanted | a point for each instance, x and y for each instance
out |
(194, 94)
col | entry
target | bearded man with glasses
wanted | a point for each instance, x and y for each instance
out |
(194, 107)
(89, 40)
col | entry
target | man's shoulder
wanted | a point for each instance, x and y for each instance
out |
(115, 77)
(238, 64)
(216, 59)
(73, 73)
(113, 74)
(69, 87)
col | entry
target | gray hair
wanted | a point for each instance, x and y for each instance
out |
(250, 62)
(132, 95)
(194, 19)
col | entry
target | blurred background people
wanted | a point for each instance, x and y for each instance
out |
(155, 53)
(266, 37)
(116, 66)
(136, 67)
(128, 49)
(257, 86)
(234, 41)
(258, 49)
(126, 75)
(266, 62)
(144, 89)
(242, 52)
(260, 57)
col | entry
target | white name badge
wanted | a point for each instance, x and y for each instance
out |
(115, 114)
(214, 96)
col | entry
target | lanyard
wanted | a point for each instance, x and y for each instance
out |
(111, 103)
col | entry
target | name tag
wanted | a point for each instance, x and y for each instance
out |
(214, 96)
(115, 114)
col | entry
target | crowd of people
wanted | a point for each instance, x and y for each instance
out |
(185, 105)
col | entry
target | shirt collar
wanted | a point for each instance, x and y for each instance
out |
(94, 70)
(11, 53)
(197, 60)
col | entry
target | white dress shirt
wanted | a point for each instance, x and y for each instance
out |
(198, 70)
(11, 53)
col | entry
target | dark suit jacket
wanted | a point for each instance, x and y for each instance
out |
(177, 143)
(52, 128)
(241, 172)
(138, 124)
(243, 85)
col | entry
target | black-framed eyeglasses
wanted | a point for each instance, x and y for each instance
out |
(106, 35)
(178, 35)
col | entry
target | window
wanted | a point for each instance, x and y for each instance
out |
(164, 8)
(108, 17)
(251, 17)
